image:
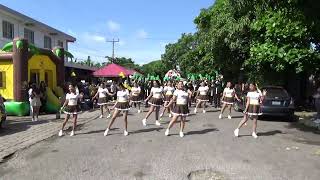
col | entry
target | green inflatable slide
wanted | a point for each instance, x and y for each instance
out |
(17, 108)
(53, 103)
(14, 108)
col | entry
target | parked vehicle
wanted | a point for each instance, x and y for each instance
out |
(277, 102)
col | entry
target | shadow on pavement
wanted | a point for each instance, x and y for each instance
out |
(270, 133)
(146, 130)
(213, 110)
(204, 131)
(168, 121)
(15, 126)
(301, 127)
(237, 117)
(277, 119)
(98, 131)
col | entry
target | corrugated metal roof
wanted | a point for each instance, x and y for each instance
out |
(79, 66)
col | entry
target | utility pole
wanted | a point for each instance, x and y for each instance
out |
(113, 41)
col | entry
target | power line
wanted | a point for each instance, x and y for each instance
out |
(113, 41)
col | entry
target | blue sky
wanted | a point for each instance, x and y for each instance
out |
(143, 26)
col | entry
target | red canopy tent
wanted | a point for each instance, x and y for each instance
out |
(113, 70)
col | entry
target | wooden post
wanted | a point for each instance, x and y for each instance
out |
(20, 69)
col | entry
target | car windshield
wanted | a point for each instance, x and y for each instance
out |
(276, 92)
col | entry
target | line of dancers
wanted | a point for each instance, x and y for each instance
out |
(174, 98)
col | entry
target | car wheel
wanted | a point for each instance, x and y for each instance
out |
(292, 117)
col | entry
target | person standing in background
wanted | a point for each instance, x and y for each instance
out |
(135, 96)
(43, 95)
(35, 102)
(217, 93)
(316, 97)
(113, 90)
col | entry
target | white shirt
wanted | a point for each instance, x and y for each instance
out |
(203, 90)
(157, 92)
(136, 91)
(72, 99)
(30, 93)
(228, 92)
(169, 90)
(102, 92)
(182, 96)
(123, 96)
(254, 97)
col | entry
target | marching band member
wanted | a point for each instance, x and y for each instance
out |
(202, 97)
(168, 94)
(102, 99)
(254, 99)
(181, 97)
(136, 95)
(122, 104)
(228, 99)
(155, 100)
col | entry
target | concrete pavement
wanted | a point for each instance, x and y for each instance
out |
(21, 132)
(284, 150)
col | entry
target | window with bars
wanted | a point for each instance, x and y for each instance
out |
(7, 30)
(47, 42)
(2, 79)
(60, 43)
(29, 35)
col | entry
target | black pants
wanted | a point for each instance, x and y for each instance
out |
(216, 99)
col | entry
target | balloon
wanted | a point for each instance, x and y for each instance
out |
(122, 75)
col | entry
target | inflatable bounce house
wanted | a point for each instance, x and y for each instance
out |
(21, 63)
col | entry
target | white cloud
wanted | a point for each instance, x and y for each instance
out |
(98, 38)
(113, 26)
(142, 34)
(90, 37)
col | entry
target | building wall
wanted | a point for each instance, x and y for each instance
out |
(7, 67)
(42, 63)
(39, 34)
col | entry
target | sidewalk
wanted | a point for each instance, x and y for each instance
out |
(21, 132)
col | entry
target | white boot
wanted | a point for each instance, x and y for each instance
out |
(60, 133)
(167, 132)
(181, 134)
(106, 132)
(125, 133)
(158, 123)
(144, 122)
(236, 132)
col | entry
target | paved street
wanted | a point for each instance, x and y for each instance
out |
(284, 150)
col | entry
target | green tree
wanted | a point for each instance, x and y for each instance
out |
(122, 61)
(157, 67)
